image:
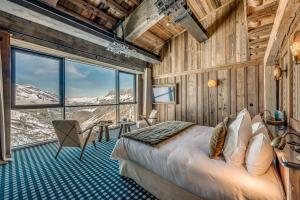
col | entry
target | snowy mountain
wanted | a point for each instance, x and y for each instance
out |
(33, 125)
(28, 94)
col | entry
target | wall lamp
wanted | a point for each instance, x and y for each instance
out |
(278, 72)
(295, 47)
(212, 83)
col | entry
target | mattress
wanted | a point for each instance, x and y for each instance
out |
(183, 160)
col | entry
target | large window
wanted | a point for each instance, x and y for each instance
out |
(89, 84)
(45, 88)
(37, 79)
(127, 87)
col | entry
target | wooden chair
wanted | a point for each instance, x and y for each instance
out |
(147, 121)
(72, 134)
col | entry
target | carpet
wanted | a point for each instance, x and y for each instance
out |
(36, 174)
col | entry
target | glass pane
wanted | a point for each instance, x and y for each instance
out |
(127, 87)
(104, 113)
(33, 125)
(89, 84)
(37, 79)
(128, 111)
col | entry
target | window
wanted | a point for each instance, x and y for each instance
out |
(33, 125)
(89, 84)
(126, 87)
(36, 78)
(45, 88)
(82, 113)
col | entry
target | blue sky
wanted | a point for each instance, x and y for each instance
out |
(82, 80)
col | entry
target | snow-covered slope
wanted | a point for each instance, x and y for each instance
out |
(33, 125)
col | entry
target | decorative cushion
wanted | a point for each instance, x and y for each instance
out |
(259, 155)
(238, 135)
(258, 126)
(217, 139)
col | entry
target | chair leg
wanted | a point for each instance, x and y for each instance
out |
(94, 143)
(85, 143)
(58, 151)
(120, 132)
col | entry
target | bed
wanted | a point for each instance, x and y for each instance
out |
(179, 168)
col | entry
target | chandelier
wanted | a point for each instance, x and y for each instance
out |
(119, 48)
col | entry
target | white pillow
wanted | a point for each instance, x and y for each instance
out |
(258, 126)
(238, 135)
(259, 155)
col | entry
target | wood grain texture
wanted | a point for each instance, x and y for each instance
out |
(222, 57)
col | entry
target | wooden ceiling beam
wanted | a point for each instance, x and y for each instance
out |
(56, 21)
(287, 13)
(52, 3)
(114, 5)
(141, 20)
(91, 11)
(259, 41)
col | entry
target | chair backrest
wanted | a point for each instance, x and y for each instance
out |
(67, 132)
(152, 117)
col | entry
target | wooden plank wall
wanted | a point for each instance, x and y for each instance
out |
(191, 64)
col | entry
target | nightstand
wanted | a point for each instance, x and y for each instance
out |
(289, 165)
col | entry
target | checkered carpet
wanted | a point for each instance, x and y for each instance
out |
(35, 174)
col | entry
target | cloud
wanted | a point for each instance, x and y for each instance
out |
(75, 73)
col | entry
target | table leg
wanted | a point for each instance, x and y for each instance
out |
(129, 130)
(126, 127)
(106, 133)
(100, 133)
(120, 132)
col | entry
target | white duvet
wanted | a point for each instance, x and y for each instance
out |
(184, 161)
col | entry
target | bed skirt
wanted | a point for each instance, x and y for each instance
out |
(156, 185)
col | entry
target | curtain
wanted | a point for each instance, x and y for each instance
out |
(2, 123)
(4, 149)
(147, 97)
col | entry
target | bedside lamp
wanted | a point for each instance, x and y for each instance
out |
(279, 142)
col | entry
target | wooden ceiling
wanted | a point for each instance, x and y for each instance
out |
(160, 33)
(102, 13)
(154, 39)
(260, 15)
(260, 19)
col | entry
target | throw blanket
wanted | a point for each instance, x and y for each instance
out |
(158, 133)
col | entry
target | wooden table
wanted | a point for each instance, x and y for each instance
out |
(125, 127)
(104, 125)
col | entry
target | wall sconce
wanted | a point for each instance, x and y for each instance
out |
(278, 72)
(295, 47)
(212, 83)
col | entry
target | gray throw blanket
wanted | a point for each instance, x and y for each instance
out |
(158, 133)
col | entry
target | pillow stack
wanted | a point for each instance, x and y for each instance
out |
(238, 135)
(243, 142)
(259, 154)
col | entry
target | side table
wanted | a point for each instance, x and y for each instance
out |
(102, 126)
(125, 127)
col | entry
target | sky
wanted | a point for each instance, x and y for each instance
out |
(81, 80)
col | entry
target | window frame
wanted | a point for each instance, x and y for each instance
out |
(13, 80)
(134, 88)
(62, 88)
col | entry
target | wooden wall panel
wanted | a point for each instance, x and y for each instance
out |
(192, 98)
(205, 100)
(191, 64)
(238, 88)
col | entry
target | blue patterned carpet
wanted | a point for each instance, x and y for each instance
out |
(35, 174)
